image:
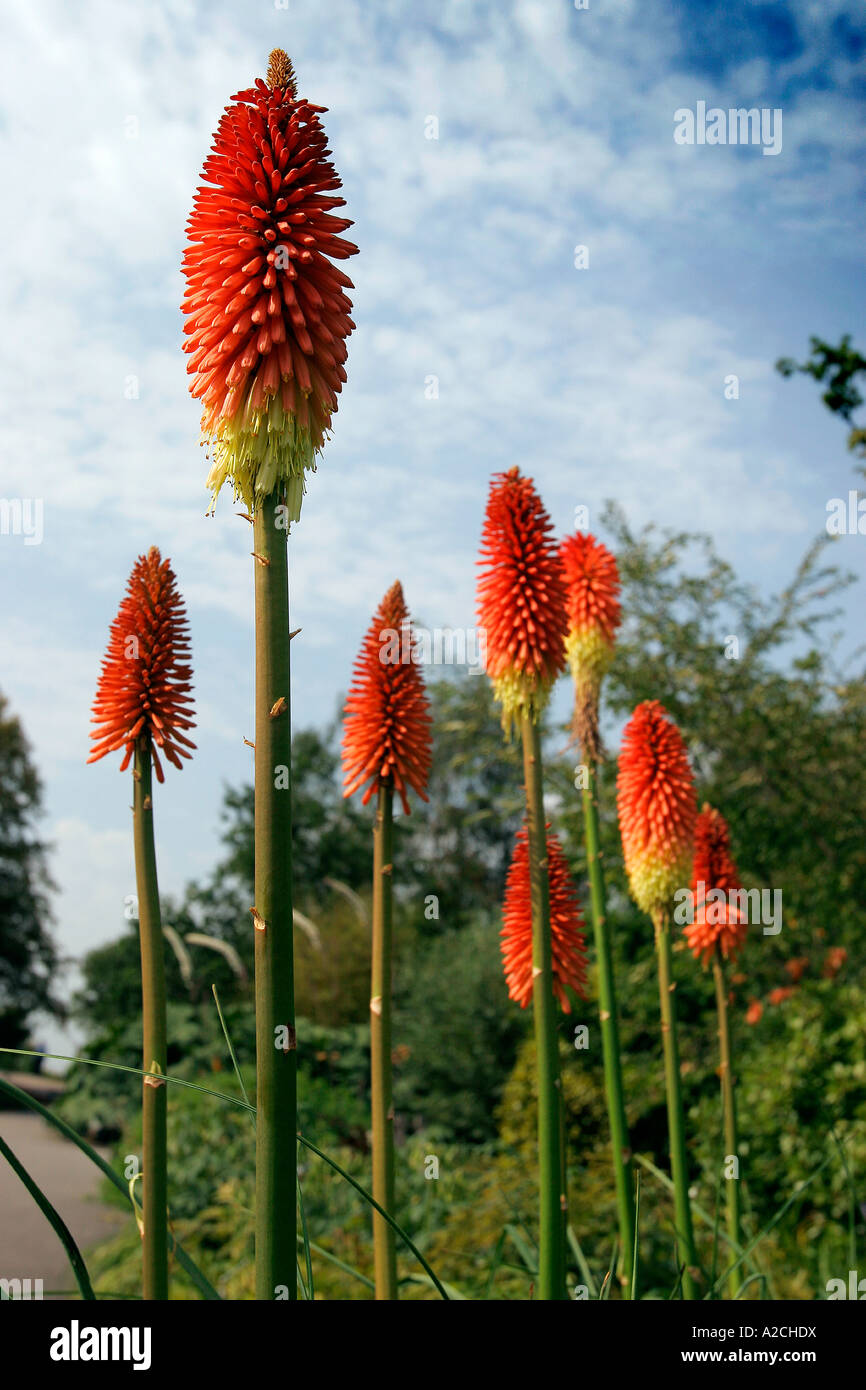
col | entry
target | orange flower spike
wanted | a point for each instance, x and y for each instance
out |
(521, 597)
(657, 807)
(387, 732)
(143, 693)
(566, 926)
(715, 923)
(594, 614)
(267, 316)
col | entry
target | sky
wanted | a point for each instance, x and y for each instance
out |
(479, 145)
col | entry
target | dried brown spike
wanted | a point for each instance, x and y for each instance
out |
(281, 73)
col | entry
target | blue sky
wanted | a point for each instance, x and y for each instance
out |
(555, 129)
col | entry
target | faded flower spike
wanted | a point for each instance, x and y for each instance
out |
(386, 738)
(592, 600)
(568, 948)
(267, 316)
(657, 807)
(143, 694)
(521, 597)
(717, 922)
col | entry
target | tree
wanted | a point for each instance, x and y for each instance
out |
(840, 367)
(28, 957)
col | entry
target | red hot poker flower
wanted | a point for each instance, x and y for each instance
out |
(594, 614)
(521, 597)
(266, 310)
(566, 926)
(143, 694)
(386, 737)
(657, 807)
(716, 923)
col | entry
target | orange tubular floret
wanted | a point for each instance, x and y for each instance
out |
(143, 695)
(566, 926)
(716, 924)
(657, 807)
(387, 731)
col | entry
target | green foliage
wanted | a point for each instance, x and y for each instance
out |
(28, 956)
(840, 367)
(455, 1034)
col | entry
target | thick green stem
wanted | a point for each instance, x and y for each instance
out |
(622, 1166)
(154, 1061)
(384, 1248)
(551, 1257)
(276, 1055)
(732, 1183)
(676, 1122)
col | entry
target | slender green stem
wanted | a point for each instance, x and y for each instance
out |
(621, 1148)
(153, 1090)
(384, 1245)
(276, 1055)
(732, 1184)
(551, 1256)
(676, 1122)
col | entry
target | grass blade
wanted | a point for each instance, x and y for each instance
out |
(189, 1266)
(332, 1163)
(636, 1234)
(65, 1236)
(585, 1271)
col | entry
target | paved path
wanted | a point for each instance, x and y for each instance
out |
(71, 1182)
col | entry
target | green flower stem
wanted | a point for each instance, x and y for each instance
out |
(384, 1246)
(154, 1059)
(276, 1055)
(676, 1123)
(732, 1185)
(551, 1257)
(622, 1165)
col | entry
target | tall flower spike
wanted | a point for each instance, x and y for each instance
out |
(657, 807)
(592, 598)
(566, 926)
(266, 310)
(716, 923)
(143, 693)
(386, 737)
(521, 597)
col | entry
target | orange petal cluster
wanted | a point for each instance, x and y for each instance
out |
(143, 694)
(657, 807)
(568, 946)
(267, 315)
(781, 994)
(592, 586)
(387, 730)
(594, 614)
(521, 597)
(716, 924)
